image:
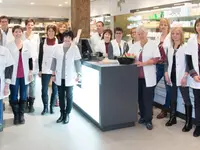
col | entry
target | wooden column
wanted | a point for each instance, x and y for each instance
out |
(80, 17)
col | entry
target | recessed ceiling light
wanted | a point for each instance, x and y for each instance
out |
(60, 5)
(66, 2)
(32, 3)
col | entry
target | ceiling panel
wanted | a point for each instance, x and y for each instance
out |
(61, 3)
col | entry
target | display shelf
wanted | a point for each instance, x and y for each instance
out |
(40, 23)
(106, 19)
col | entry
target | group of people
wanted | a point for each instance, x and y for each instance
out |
(24, 55)
(167, 56)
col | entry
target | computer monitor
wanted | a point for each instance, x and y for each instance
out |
(85, 49)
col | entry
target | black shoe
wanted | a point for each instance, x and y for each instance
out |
(188, 123)
(21, 119)
(22, 105)
(51, 110)
(141, 121)
(65, 118)
(171, 121)
(16, 120)
(31, 102)
(196, 131)
(27, 106)
(60, 119)
(45, 111)
(15, 109)
(149, 125)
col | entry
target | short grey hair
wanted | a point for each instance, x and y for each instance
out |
(141, 28)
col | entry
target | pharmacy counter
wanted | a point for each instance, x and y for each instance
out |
(108, 95)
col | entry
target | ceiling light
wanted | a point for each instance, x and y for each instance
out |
(32, 3)
(60, 5)
(66, 2)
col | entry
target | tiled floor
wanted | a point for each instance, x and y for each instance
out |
(42, 133)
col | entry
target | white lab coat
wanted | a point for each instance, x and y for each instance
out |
(48, 51)
(26, 55)
(130, 43)
(192, 49)
(7, 38)
(166, 42)
(6, 60)
(180, 63)
(72, 54)
(116, 50)
(35, 43)
(101, 47)
(149, 51)
(94, 40)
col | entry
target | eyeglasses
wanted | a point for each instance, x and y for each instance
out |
(4, 21)
(118, 33)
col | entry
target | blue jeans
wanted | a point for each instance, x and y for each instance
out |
(1, 115)
(45, 84)
(160, 73)
(19, 86)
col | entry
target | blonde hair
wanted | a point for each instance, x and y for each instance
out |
(181, 33)
(165, 21)
(60, 24)
(134, 28)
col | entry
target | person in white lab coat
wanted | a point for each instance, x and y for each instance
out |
(133, 37)
(22, 73)
(147, 54)
(6, 70)
(35, 42)
(193, 59)
(7, 35)
(119, 46)
(46, 50)
(163, 41)
(66, 59)
(176, 75)
(96, 36)
(102, 47)
(62, 27)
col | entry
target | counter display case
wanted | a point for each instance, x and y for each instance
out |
(108, 95)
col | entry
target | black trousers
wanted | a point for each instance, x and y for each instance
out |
(65, 94)
(184, 92)
(196, 93)
(145, 100)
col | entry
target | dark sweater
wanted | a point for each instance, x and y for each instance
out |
(41, 51)
(192, 71)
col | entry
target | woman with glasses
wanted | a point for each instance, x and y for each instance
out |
(118, 46)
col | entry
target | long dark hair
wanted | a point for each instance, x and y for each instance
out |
(196, 22)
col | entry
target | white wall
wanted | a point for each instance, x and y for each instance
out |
(35, 11)
(110, 6)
